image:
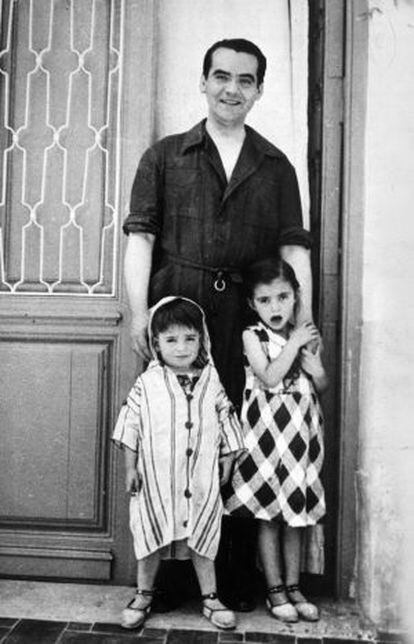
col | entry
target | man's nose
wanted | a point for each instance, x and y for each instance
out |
(232, 86)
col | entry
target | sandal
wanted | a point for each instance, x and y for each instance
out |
(221, 617)
(135, 616)
(306, 610)
(284, 610)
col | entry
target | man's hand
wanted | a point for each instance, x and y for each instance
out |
(311, 361)
(139, 335)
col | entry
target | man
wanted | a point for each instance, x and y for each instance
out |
(205, 204)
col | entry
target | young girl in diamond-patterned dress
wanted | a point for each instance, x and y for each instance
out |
(278, 480)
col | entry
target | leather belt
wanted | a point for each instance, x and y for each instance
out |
(222, 274)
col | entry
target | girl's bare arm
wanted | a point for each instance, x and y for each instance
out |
(271, 373)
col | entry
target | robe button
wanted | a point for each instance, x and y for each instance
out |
(185, 524)
(187, 494)
(188, 424)
(189, 451)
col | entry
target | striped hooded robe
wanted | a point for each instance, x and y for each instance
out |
(178, 438)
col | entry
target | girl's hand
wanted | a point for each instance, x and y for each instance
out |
(132, 482)
(304, 333)
(225, 467)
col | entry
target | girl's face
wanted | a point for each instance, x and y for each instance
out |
(274, 303)
(179, 347)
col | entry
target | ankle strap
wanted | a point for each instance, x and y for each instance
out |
(212, 595)
(144, 593)
(277, 589)
(292, 588)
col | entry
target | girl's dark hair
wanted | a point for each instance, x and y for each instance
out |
(265, 271)
(182, 313)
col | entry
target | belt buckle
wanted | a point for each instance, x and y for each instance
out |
(219, 283)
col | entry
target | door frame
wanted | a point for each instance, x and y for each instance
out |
(337, 104)
(351, 260)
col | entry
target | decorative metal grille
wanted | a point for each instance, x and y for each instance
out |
(60, 91)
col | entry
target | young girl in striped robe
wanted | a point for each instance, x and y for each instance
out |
(180, 436)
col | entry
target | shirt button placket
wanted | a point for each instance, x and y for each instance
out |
(188, 452)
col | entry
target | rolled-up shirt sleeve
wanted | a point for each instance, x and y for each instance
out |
(292, 232)
(145, 204)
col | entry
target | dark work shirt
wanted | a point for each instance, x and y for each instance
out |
(181, 195)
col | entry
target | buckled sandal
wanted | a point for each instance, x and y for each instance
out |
(284, 609)
(305, 609)
(221, 617)
(135, 616)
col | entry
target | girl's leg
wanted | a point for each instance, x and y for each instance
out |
(135, 614)
(292, 540)
(271, 557)
(292, 544)
(146, 571)
(213, 609)
(270, 553)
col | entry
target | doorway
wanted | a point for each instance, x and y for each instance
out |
(74, 128)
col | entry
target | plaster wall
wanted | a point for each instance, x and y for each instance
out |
(385, 481)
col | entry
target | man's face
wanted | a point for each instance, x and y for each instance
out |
(231, 86)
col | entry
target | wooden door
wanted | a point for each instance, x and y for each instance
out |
(65, 73)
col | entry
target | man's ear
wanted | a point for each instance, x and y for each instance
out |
(202, 84)
(260, 90)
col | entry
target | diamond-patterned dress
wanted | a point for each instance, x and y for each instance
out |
(279, 476)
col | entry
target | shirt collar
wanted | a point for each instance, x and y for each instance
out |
(197, 137)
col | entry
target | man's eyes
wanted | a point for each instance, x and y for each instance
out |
(243, 82)
(222, 77)
(263, 300)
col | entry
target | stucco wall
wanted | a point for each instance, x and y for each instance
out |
(385, 479)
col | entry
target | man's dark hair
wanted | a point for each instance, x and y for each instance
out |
(240, 45)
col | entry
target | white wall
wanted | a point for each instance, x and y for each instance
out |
(187, 28)
(386, 481)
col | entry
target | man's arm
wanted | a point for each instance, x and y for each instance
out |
(137, 271)
(299, 258)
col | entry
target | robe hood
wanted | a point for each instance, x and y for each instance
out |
(205, 341)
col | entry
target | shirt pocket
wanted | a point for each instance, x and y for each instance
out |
(182, 191)
(262, 204)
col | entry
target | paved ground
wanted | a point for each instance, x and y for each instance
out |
(48, 613)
